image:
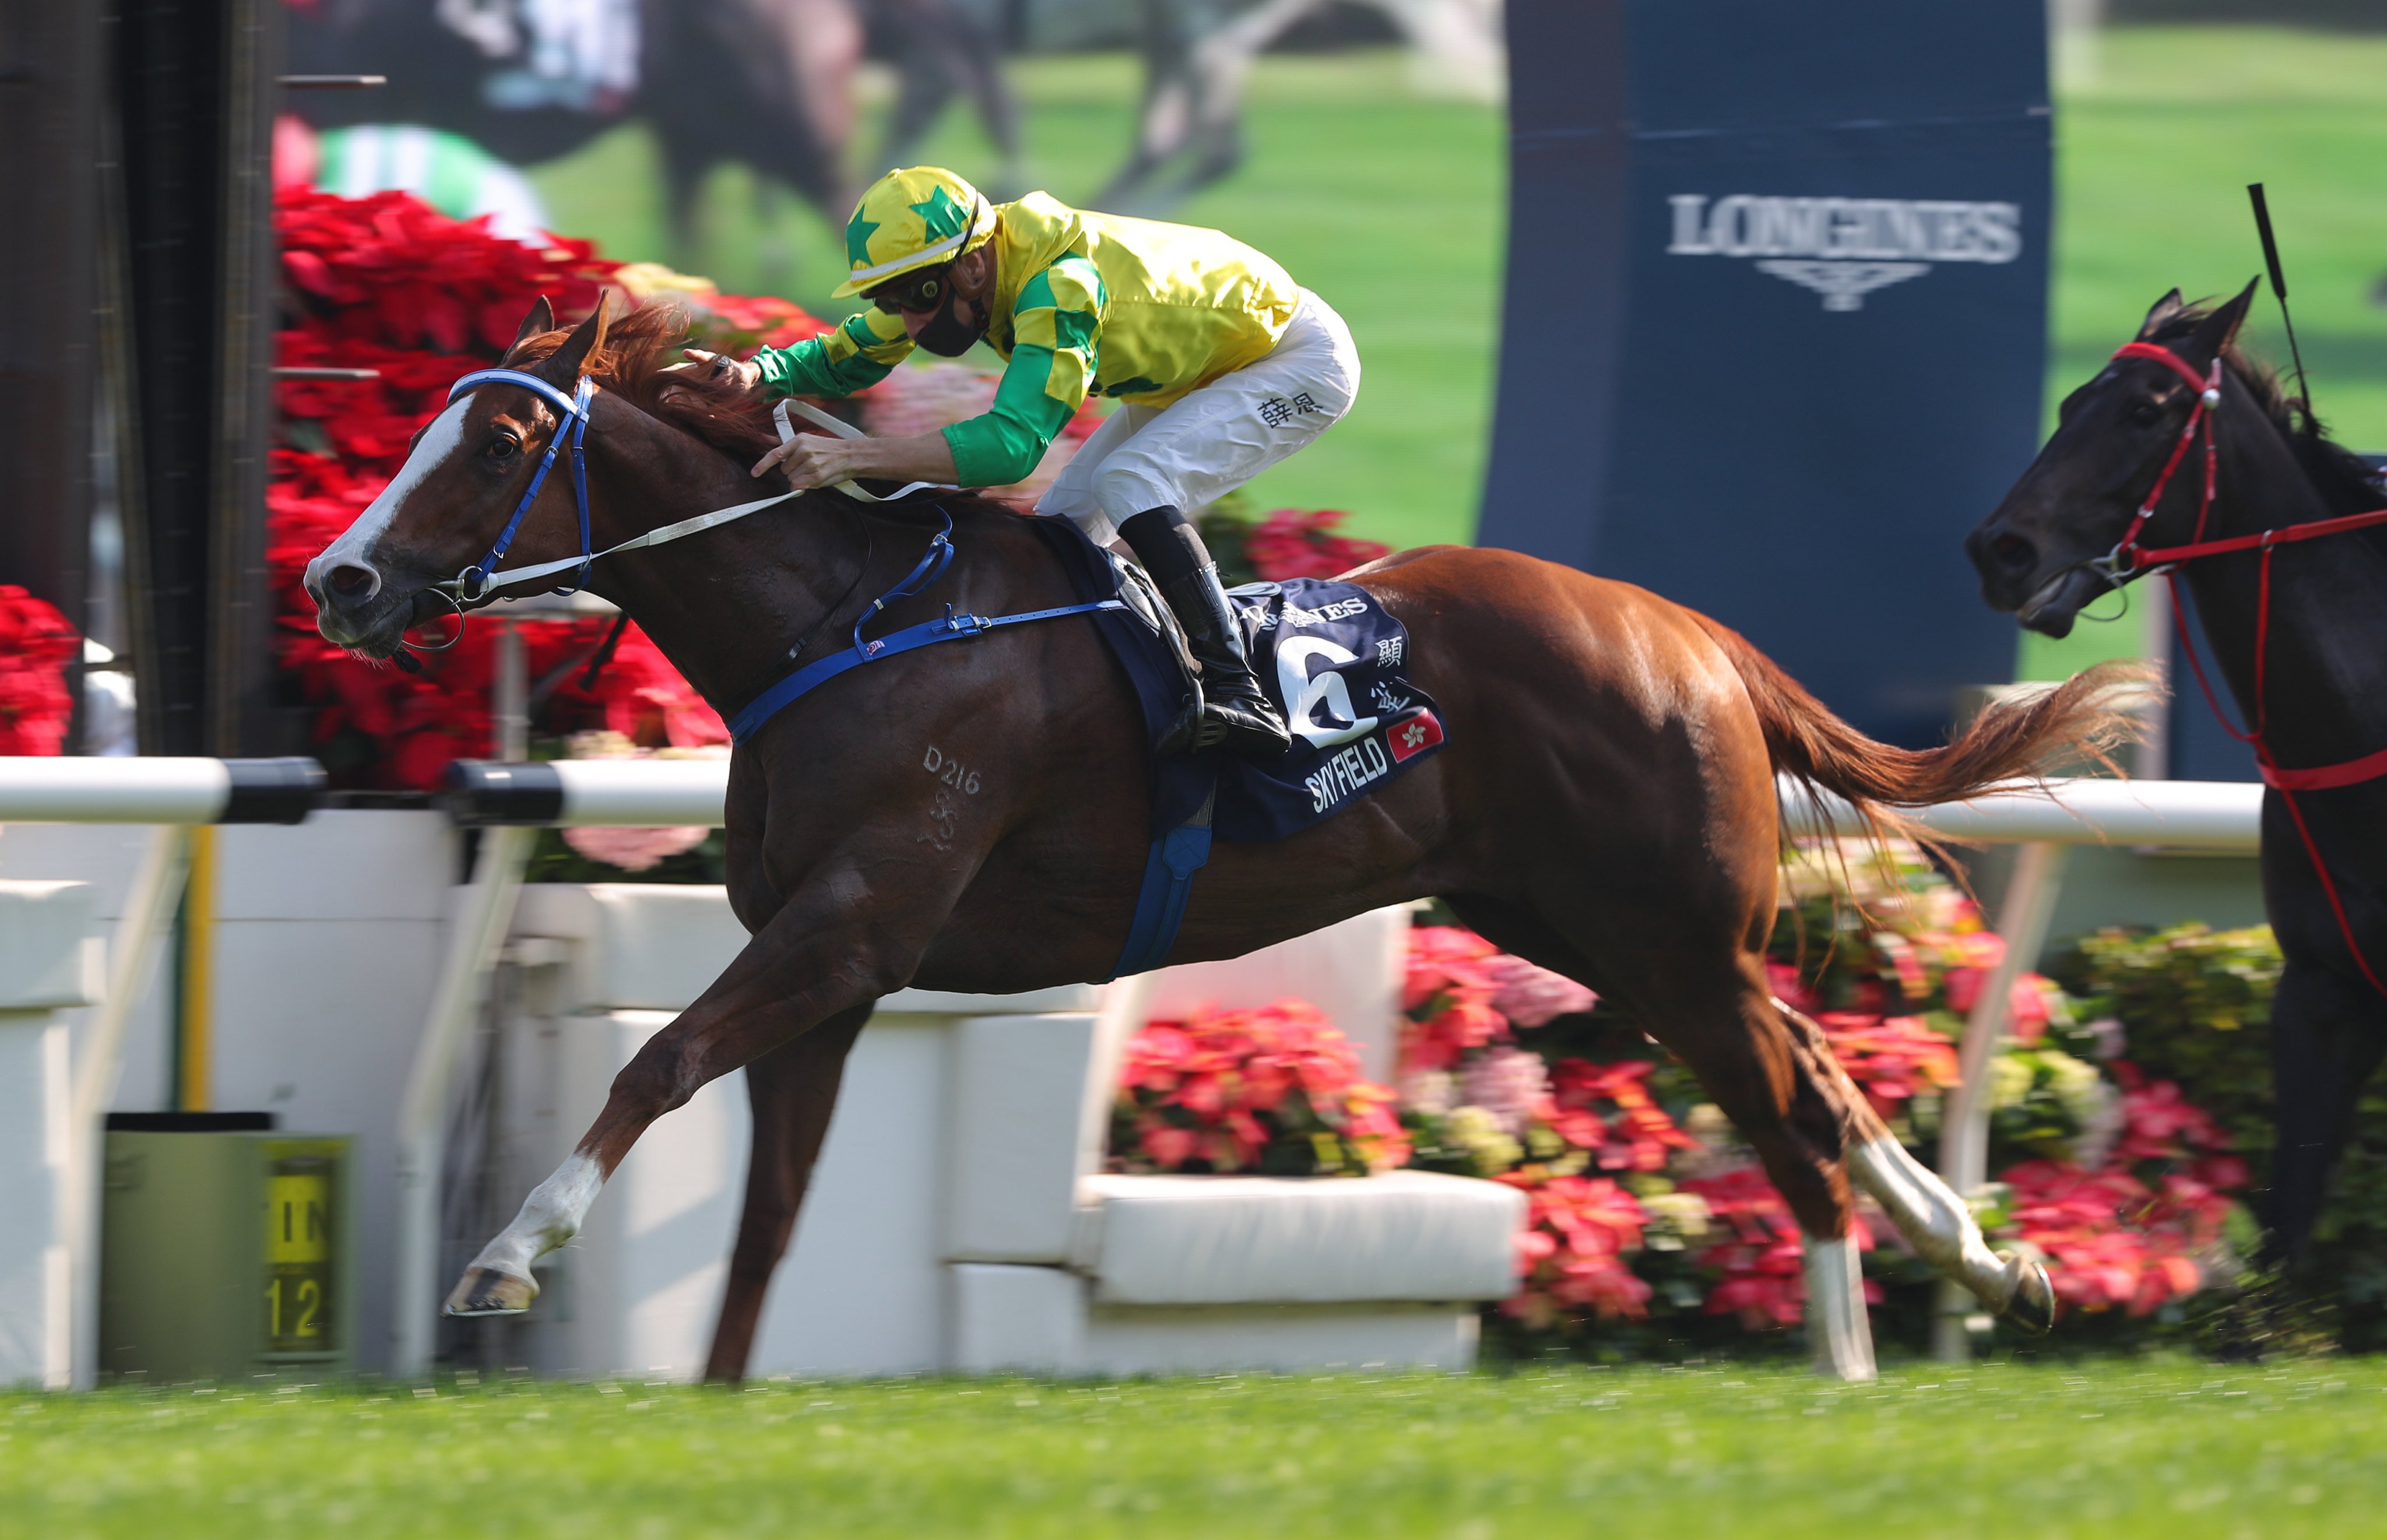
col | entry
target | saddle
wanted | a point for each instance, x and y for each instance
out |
(1330, 657)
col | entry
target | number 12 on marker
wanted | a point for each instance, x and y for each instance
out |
(298, 1256)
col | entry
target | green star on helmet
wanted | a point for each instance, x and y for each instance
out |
(858, 231)
(941, 217)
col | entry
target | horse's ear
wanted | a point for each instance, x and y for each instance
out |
(541, 318)
(2218, 330)
(2168, 306)
(562, 367)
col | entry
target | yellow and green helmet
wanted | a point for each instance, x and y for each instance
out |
(915, 218)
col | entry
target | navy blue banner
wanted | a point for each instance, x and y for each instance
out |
(1775, 322)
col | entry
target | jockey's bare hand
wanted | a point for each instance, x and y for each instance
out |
(817, 459)
(719, 369)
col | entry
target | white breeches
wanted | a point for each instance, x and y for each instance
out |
(1212, 440)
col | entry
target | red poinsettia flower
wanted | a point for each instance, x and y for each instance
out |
(36, 648)
(1222, 1087)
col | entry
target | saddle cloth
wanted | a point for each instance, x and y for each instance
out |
(1327, 653)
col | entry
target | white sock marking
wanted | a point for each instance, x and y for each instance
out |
(549, 1217)
(1928, 1211)
(1838, 1328)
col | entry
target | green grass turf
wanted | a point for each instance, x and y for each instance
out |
(2152, 157)
(2167, 1450)
(1388, 202)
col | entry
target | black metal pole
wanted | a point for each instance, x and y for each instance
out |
(50, 98)
(194, 92)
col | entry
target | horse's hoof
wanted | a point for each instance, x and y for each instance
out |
(2032, 1305)
(488, 1292)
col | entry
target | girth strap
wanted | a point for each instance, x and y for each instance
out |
(1168, 885)
(953, 627)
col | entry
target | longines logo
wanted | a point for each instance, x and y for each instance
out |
(1844, 248)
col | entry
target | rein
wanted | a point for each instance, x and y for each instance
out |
(481, 579)
(2130, 559)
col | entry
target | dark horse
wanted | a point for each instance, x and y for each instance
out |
(1606, 805)
(2319, 697)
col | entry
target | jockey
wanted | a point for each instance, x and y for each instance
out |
(1221, 365)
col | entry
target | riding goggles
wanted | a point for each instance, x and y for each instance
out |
(913, 293)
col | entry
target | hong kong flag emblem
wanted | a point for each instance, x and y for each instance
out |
(1413, 735)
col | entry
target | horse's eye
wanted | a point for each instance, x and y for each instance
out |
(2145, 413)
(503, 447)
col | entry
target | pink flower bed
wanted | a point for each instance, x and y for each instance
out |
(1276, 1089)
(1629, 1211)
(1289, 543)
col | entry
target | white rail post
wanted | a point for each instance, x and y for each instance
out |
(2023, 920)
(149, 906)
(478, 930)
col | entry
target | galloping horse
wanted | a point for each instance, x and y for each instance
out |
(1605, 805)
(2291, 605)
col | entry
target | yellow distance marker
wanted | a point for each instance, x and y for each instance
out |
(299, 1221)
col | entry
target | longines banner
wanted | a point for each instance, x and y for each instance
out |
(1775, 320)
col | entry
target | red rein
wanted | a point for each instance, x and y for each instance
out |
(2129, 559)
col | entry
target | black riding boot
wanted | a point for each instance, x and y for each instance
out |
(1235, 711)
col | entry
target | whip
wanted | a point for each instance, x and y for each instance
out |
(2280, 288)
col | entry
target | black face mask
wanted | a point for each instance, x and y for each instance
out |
(945, 335)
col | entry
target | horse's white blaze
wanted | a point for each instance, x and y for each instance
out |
(1928, 1211)
(355, 546)
(549, 1217)
(1839, 1333)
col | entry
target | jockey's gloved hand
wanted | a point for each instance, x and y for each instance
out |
(721, 369)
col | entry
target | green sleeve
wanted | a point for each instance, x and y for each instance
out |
(851, 356)
(1054, 324)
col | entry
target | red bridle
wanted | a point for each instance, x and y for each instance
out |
(2130, 559)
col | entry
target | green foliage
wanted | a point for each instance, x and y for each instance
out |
(2195, 1007)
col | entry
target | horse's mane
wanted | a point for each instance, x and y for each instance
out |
(2346, 481)
(643, 344)
(638, 347)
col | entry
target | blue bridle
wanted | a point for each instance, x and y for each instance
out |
(473, 583)
(1176, 854)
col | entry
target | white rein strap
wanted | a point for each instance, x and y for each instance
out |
(664, 536)
(720, 516)
(826, 424)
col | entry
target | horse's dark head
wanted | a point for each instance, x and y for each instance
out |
(2112, 438)
(468, 468)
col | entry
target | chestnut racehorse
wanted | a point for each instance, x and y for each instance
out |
(1605, 806)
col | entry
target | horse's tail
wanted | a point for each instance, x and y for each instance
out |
(2009, 740)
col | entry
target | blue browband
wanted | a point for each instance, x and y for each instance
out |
(472, 582)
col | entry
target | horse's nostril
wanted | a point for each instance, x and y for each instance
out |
(355, 581)
(2013, 553)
